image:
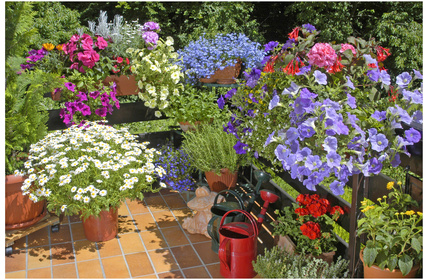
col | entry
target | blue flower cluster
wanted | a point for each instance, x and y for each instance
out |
(175, 162)
(201, 58)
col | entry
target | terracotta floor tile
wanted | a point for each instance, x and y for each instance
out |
(90, 269)
(167, 191)
(214, 270)
(196, 237)
(165, 219)
(156, 203)
(181, 214)
(16, 261)
(126, 225)
(196, 272)
(207, 255)
(139, 264)
(39, 273)
(39, 257)
(163, 260)
(115, 267)
(186, 256)
(123, 210)
(174, 236)
(64, 271)
(77, 231)
(175, 201)
(39, 238)
(171, 274)
(131, 243)
(85, 250)
(109, 248)
(151, 276)
(62, 253)
(137, 206)
(62, 236)
(16, 274)
(150, 194)
(153, 239)
(20, 243)
(145, 221)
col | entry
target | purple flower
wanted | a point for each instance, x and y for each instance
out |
(418, 74)
(375, 166)
(70, 86)
(369, 59)
(82, 96)
(305, 93)
(309, 27)
(291, 134)
(373, 75)
(240, 148)
(290, 43)
(104, 99)
(417, 117)
(401, 113)
(94, 94)
(150, 26)
(281, 152)
(333, 159)
(269, 139)
(379, 142)
(412, 135)
(379, 116)
(270, 46)
(102, 112)
(253, 77)
(304, 70)
(292, 90)
(220, 102)
(300, 104)
(337, 188)
(230, 93)
(320, 77)
(351, 101)
(274, 102)
(303, 153)
(403, 79)
(415, 97)
(306, 131)
(349, 83)
(85, 109)
(396, 160)
(385, 78)
(330, 144)
(152, 38)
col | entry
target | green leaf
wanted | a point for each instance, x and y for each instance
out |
(369, 256)
(405, 264)
(348, 54)
(392, 263)
(404, 232)
(416, 245)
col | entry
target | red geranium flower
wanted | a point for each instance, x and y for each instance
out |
(302, 211)
(311, 230)
(336, 208)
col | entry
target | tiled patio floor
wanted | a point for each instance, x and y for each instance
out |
(151, 244)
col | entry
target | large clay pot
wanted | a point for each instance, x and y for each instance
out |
(102, 228)
(225, 76)
(21, 212)
(376, 272)
(226, 180)
(186, 126)
(124, 85)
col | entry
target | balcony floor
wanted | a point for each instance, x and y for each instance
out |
(151, 244)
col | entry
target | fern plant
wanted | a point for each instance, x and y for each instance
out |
(211, 149)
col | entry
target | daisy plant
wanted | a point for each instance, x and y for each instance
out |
(84, 170)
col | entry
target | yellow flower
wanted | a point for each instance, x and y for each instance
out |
(364, 203)
(410, 212)
(419, 213)
(399, 183)
(59, 47)
(48, 46)
(389, 185)
(379, 199)
(367, 208)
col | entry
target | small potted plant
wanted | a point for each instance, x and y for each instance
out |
(89, 170)
(308, 226)
(281, 264)
(394, 235)
(203, 57)
(178, 170)
(211, 150)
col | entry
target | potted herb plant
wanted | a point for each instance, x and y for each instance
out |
(308, 226)
(394, 235)
(211, 151)
(89, 170)
(203, 57)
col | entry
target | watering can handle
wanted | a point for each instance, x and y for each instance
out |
(252, 220)
(222, 253)
(235, 194)
(210, 229)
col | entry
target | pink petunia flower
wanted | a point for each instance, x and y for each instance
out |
(101, 43)
(87, 42)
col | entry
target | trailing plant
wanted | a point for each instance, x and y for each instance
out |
(278, 263)
(211, 149)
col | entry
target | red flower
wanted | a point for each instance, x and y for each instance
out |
(382, 53)
(302, 211)
(127, 61)
(115, 70)
(337, 66)
(294, 34)
(336, 208)
(317, 209)
(311, 230)
(292, 68)
(119, 59)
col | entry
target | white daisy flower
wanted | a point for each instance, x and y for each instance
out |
(86, 199)
(73, 189)
(63, 208)
(162, 184)
(103, 193)
(77, 197)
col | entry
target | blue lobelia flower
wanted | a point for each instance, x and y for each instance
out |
(379, 116)
(412, 135)
(379, 142)
(320, 77)
(403, 79)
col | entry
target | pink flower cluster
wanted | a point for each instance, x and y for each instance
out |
(322, 55)
(345, 47)
(83, 47)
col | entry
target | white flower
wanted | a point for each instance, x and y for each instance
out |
(99, 181)
(149, 178)
(33, 198)
(39, 192)
(158, 114)
(86, 199)
(103, 193)
(73, 189)
(63, 207)
(47, 193)
(94, 194)
(122, 188)
(162, 184)
(80, 191)
(77, 197)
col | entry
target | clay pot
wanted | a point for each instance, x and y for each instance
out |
(124, 85)
(376, 272)
(186, 126)
(102, 228)
(225, 76)
(21, 212)
(226, 180)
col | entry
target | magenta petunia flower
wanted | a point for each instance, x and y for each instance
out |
(87, 42)
(94, 94)
(70, 86)
(322, 55)
(102, 112)
(88, 58)
(101, 43)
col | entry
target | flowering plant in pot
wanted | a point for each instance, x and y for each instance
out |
(210, 150)
(201, 58)
(88, 170)
(309, 224)
(393, 230)
(154, 66)
(176, 164)
(324, 111)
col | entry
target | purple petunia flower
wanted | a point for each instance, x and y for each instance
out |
(418, 74)
(82, 96)
(104, 99)
(333, 159)
(102, 112)
(305, 93)
(303, 153)
(373, 75)
(292, 90)
(240, 148)
(369, 59)
(320, 77)
(94, 94)
(281, 152)
(375, 166)
(396, 160)
(412, 135)
(351, 101)
(349, 83)
(300, 104)
(70, 86)
(417, 117)
(269, 139)
(415, 97)
(291, 134)
(337, 188)
(403, 79)
(274, 102)
(230, 93)
(306, 131)
(309, 27)
(330, 144)
(304, 70)
(379, 116)
(253, 77)
(290, 43)
(402, 114)
(385, 78)
(379, 142)
(270, 46)
(220, 102)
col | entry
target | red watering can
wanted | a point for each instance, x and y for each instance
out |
(238, 247)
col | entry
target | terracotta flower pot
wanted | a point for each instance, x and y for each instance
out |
(102, 228)
(225, 76)
(21, 212)
(226, 180)
(376, 272)
(124, 85)
(186, 126)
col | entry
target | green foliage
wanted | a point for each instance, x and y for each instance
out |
(25, 114)
(211, 149)
(278, 263)
(55, 23)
